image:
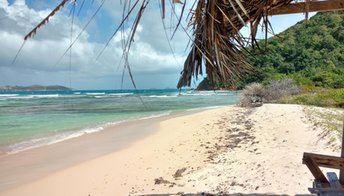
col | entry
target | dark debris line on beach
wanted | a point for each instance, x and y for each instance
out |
(236, 132)
(209, 194)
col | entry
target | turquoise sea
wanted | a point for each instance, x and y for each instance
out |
(33, 119)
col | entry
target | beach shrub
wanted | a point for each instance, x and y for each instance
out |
(277, 89)
(322, 98)
(252, 95)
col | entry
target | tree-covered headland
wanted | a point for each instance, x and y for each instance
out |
(311, 52)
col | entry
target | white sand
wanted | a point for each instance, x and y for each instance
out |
(226, 150)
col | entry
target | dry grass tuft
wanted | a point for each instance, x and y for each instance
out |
(281, 88)
(252, 95)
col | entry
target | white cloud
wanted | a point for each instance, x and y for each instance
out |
(153, 31)
(149, 55)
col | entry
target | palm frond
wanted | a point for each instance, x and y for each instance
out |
(216, 41)
(45, 20)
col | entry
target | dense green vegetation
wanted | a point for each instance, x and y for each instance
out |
(322, 98)
(206, 84)
(311, 52)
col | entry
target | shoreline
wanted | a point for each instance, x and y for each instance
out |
(114, 137)
(223, 150)
(54, 139)
(62, 137)
(28, 124)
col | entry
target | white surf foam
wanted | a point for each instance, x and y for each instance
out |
(49, 140)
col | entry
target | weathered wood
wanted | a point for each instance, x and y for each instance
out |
(313, 167)
(326, 160)
(341, 172)
(314, 6)
(307, 9)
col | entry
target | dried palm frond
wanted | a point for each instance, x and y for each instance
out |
(45, 20)
(217, 43)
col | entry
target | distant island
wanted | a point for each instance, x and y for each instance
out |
(34, 88)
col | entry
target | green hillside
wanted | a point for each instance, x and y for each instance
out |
(311, 52)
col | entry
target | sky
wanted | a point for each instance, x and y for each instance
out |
(153, 62)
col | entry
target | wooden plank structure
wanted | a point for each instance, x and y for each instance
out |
(330, 186)
(308, 6)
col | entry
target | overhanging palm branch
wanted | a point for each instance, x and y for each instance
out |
(217, 43)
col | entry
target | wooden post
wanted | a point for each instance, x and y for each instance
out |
(307, 9)
(314, 168)
(341, 173)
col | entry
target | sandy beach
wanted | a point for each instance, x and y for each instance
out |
(226, 150)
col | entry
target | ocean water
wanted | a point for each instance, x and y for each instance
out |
(33, 119)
